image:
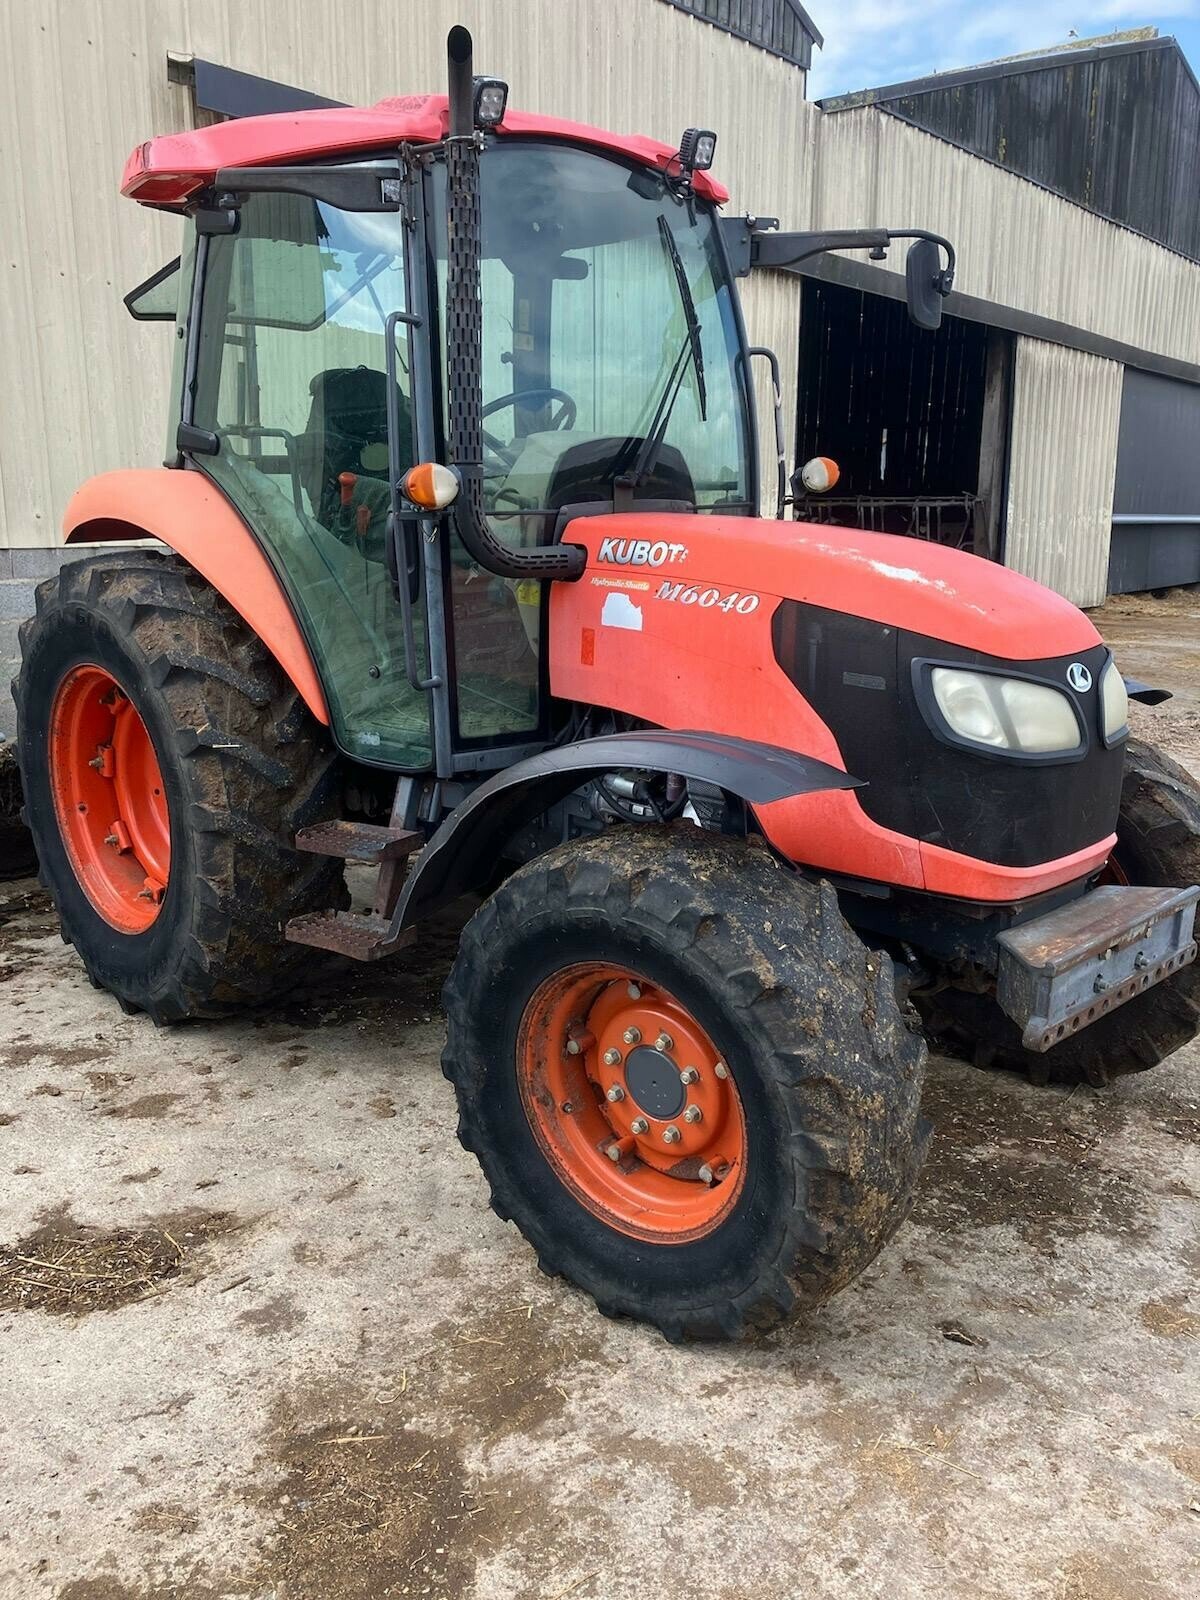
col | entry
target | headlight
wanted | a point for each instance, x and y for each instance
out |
(1006, 713)
(1114, 703)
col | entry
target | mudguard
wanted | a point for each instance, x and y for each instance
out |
(464, 850)
(186, 511)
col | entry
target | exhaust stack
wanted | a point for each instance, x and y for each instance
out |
(464, 337)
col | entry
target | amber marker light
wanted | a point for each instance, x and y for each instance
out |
(430, 485)
(820, 474)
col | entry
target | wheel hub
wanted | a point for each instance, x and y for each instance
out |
(652, 1079)
(110, 798)
(648, 1135)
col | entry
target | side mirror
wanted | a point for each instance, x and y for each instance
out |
(926, 283)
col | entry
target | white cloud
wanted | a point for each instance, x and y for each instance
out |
(873, 42)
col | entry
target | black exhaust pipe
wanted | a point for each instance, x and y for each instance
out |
(464, 339)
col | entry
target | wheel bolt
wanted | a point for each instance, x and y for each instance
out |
(577, 1043)
(692, 1114)
(706, 1173)
(663, 1042)
(111, 838)
(634, 991)
(689, 1075)
(640, 1125)
(721, 1070)
(619, 1149)
(671, 1134)
(612, 1058)
(632, 1035)
(616, 1093)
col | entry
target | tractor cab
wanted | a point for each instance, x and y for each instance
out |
(312, 372)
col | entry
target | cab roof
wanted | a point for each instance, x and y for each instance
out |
(167, 171)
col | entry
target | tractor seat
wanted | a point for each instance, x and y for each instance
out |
(347, 432)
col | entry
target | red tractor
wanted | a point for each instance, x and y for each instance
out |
(466, 579)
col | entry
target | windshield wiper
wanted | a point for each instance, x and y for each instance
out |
(690, 317)
(647, 456)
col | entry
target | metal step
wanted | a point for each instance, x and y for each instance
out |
(358, 935)
(358, 841)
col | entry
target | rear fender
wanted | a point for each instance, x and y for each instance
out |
(186, 511)
(463, 852)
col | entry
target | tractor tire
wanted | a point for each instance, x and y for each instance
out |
(168, 851)
(774, 1023)
(1158, 843)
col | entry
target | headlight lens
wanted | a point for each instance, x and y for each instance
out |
(1114, 702)
(1006, 713)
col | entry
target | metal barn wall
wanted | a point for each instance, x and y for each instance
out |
(1117, 130)
(82, 82)
(1017, 244)
(1062, 465)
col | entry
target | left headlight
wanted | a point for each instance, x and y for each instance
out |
(1005, 713)
(1114, 703)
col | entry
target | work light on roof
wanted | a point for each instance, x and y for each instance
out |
(491, 98)
(697, 149)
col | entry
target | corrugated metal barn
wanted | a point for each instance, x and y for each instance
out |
(1049, 424)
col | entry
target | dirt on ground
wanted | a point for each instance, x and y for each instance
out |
(297, 1357)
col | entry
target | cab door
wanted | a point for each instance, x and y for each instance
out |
(300, 308)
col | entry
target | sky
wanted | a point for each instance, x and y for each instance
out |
(873, 42)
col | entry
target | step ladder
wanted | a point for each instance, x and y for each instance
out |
(363, 936)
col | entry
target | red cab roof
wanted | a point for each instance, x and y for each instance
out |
(166, 171)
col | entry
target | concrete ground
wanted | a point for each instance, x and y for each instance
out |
(342, 1378)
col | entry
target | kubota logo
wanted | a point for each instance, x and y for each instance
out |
(1079, 677)
(640, 552)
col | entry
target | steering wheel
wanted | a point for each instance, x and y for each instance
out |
(564, 417)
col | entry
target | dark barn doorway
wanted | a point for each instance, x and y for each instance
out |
(917, 421)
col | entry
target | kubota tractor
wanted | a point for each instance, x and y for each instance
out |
(466, 578)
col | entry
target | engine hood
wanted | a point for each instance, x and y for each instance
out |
(908, 583)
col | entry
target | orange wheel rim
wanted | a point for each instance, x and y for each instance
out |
(110, 798)
(632, 1104)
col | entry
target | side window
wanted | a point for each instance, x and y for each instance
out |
(157, 298)
(292, 379)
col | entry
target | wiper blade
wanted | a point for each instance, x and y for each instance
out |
(689, 312)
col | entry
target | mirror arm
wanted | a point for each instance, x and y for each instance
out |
(784, 250)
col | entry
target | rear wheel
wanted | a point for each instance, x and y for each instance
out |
(1158, 843)
(686, 1079)
(167, 764)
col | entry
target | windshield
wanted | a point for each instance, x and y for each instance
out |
(609, 340)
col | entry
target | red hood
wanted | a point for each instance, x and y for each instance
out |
(908, 583)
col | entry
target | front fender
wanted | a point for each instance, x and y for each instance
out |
(186, 511)
(464, 850)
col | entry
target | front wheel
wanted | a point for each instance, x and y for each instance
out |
(686, 1079)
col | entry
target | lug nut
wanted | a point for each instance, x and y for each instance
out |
(692, 1114)
(634, 991)
(612, 1058)
(640, 1125)
(567, 1108)
(706, 1173)
(578, 1042)
(572, 1047)
(663, 1042)
(721, 1070)
(632, 1035)
(671, 1134)
(689, 1075)
(619, 1149)
(616, 1093)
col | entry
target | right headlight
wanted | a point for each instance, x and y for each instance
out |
(1114, 703)
(1005, 713)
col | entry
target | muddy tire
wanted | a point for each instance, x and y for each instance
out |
(228, 764)
(809, 1080)
(1158, 843)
